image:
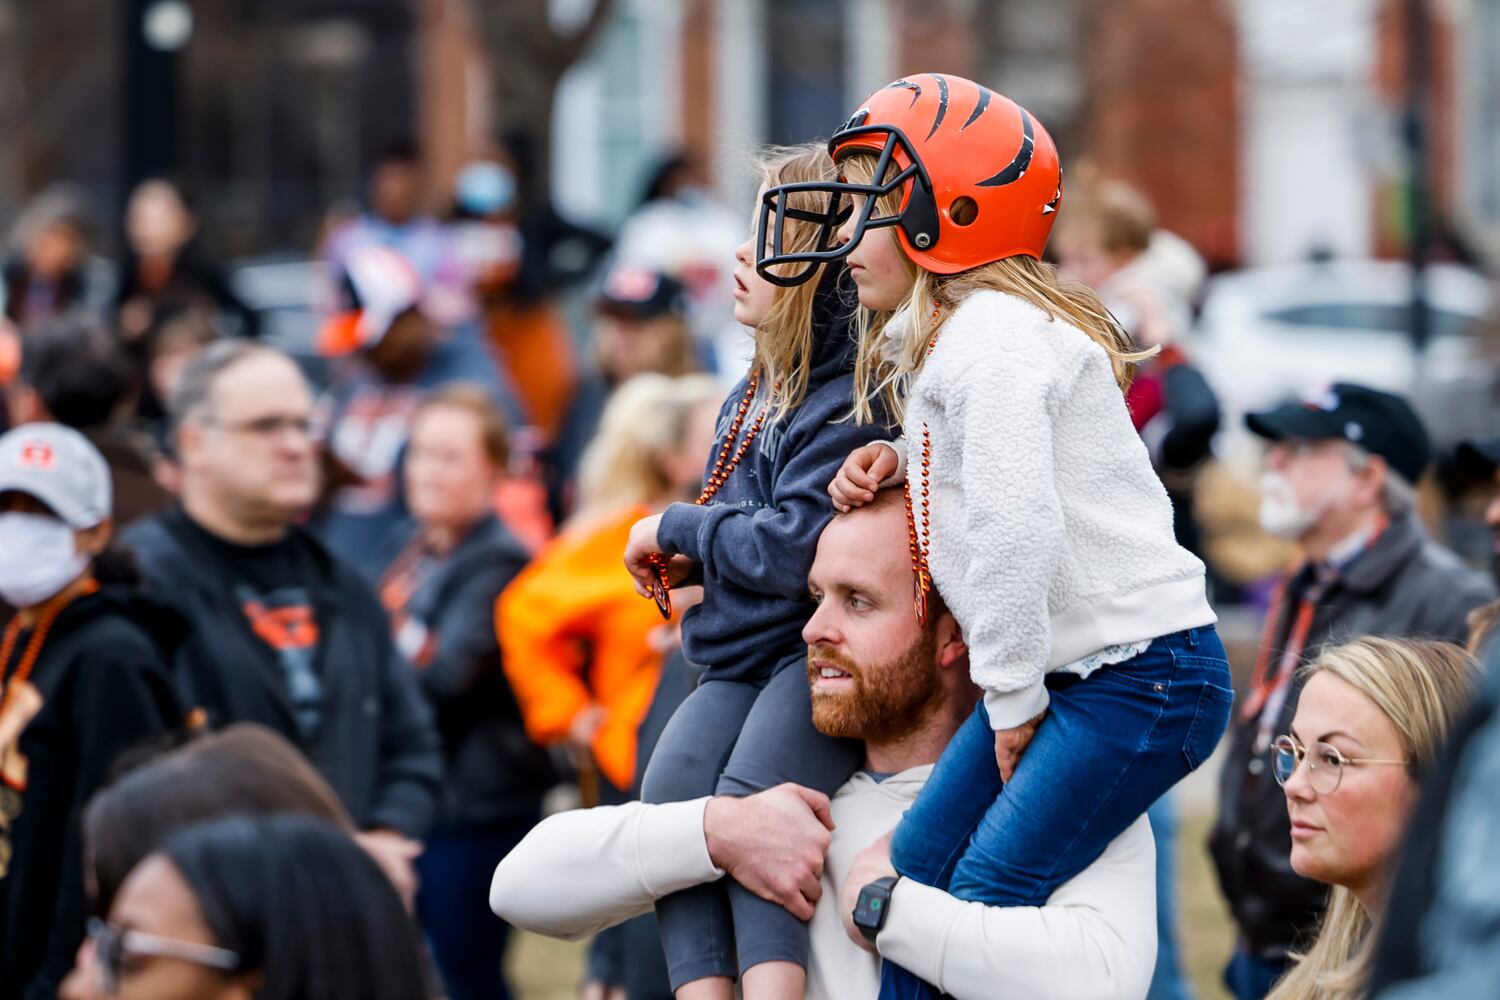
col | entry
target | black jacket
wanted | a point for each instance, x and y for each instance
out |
(378, 746)
(103, 680)
(1404, 585)
(494, 772)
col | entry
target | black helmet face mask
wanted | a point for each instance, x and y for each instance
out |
(918, 219)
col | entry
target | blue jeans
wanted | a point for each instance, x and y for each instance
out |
(1167, 980)
(467, 940)
(1251, 978)
(1111, 744)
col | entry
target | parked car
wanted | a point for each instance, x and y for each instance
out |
(287, 293)
(1268, 333)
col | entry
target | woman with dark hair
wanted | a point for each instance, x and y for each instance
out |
(276, 908)
(242, 770)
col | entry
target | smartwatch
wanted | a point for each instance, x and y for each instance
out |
(873, 905)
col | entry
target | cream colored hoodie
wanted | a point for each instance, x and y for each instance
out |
(582, 871)
(1051, 535)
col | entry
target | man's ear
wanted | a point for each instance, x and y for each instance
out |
(949, 640)
(1369, 482)
(96, 539)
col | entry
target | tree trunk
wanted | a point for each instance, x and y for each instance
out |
(528, 58)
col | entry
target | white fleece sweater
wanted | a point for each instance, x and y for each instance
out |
(1051, 535)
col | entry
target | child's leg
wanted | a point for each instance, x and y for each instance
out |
(697, 931)
(1111, 745)
(779, 743)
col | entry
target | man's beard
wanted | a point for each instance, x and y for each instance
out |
(885, 701)
(1282, 514)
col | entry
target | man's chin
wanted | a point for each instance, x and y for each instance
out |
(837, 715)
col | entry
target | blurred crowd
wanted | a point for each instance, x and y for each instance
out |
(373, 580)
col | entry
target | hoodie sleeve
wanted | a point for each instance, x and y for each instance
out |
(770, 549)
(465, 632)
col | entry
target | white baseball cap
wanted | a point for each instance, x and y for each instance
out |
(61, 468)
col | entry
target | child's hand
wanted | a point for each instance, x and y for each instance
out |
(1010, 744)
(861, 475)
(639, 550)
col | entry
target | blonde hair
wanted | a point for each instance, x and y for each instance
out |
(646, 418)
(784, 340)
(880, 372)
(1421, 686)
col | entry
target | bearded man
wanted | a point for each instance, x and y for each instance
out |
(904, 689)
(1341, 469)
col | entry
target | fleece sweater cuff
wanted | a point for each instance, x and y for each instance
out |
(1009, 709)
(679, 528)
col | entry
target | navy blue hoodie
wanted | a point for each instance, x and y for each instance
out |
(755, 540)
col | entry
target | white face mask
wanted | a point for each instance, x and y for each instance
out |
(1282, 514)
(38, 558)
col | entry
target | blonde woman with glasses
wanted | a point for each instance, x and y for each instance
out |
(1372, 717)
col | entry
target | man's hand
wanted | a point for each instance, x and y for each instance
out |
(870, 864)
(772, 843)
(395, 854)
(861, 475)
(1010, 744)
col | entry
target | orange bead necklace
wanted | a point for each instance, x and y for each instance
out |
(44, 621)
(920, 546)
(661, 591)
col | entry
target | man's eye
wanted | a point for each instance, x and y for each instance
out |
(858, 603)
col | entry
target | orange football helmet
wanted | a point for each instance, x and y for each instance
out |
(979, 180)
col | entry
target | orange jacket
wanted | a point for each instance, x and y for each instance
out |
(573, 632)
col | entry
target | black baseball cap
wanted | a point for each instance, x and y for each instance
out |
(1381, 423)
(639, 293)
(1480, 457)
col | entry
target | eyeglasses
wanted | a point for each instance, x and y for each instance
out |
(1325, 767)
(266, 427)
(114, 947)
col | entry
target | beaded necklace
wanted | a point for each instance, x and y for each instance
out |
(661, 592)
(922, 576)
(44, 621)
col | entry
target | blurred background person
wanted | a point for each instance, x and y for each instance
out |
(1340, 473)
(394, 219)
(396, 352)
(1372, 718)
(50, 270)
(284, 633)
(162, 266)
(452, 561)
(583, 652)
(268, 906)
(639, 326)
(83, 677)
(75, 373)
(1480, 460)
(525, 324)
(680, 228)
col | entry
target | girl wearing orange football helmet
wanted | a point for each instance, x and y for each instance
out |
(749, 541)
(1032, 504)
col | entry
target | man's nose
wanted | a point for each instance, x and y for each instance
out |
(819, 630)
